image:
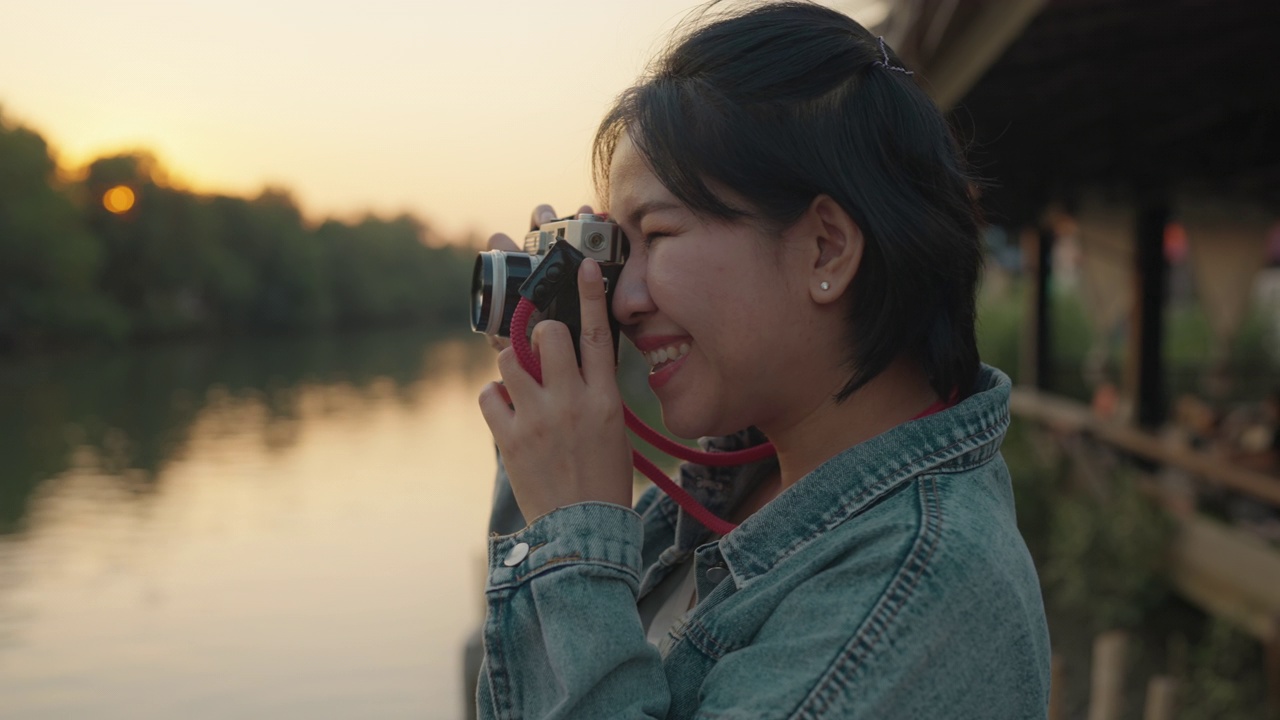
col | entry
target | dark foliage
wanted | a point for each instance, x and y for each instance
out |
(178, 263)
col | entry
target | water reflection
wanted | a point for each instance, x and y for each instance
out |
(130, 413)
(288, 528)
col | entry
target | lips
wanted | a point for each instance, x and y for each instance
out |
(665, 355)
(662, 373)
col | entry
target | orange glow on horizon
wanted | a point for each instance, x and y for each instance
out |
(118, 199)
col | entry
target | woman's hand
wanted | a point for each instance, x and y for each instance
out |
(563, 442)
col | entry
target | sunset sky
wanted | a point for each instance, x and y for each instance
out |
(464, 113)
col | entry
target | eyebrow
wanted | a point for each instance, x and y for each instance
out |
(651, 206)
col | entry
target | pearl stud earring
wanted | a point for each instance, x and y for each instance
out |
(825, 285)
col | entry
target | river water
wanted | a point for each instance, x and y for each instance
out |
(290, 528)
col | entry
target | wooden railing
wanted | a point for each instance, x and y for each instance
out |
(1068, 415)
(1227, 572)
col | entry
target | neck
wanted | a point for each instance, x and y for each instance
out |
(828, 428)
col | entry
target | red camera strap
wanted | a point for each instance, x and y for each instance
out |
(529, 361)
(531, 364)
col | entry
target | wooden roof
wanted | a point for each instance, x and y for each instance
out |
(1138, 96)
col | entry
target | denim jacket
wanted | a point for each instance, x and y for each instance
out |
(890, 582)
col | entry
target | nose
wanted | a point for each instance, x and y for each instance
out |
(631, 299)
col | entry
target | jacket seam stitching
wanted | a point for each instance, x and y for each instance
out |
(894, 599)
(702, 637)
(498, 676)
(560, 563)
(858, 503)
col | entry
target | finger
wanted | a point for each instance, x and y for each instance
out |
(496, 409)
(542, 214)
(554, 347)
(586, 209)
(520, 385)
(498, 343)
(500, 241)
(596, 340)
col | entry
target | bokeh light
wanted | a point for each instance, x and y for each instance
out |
(118, 199)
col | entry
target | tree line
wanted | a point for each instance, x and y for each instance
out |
(117, 255)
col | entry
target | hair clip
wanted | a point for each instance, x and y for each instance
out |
(887, 64)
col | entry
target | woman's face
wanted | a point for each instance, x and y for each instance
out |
(721, 311)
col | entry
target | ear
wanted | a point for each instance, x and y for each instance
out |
(836, 244)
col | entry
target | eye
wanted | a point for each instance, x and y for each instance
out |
(651, 237)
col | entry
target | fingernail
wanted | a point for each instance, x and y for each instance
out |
(590, 270)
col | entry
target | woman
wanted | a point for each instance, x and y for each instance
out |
(803, 260)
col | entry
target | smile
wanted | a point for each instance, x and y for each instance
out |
(661, 356)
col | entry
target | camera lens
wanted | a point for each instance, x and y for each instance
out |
(495, 289)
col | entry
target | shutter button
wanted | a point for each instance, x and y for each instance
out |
(717, 573)
(518, 553)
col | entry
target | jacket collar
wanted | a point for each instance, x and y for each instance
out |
(718, 489)
(962, 436)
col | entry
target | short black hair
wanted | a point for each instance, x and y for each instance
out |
(780, 103)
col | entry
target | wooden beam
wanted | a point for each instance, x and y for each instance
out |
(1057, 688)
(1273, 670)
(1228, 572)
(1067, 415)
(963, 60)
(1106, 689)
(1162, 699)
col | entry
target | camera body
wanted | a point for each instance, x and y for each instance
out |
(547, 274)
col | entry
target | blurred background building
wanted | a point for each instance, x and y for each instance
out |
(1131, 158)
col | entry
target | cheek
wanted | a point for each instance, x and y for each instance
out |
(670, 292)
(670, 274)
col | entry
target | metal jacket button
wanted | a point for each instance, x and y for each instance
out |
(717, 573)
(518, 553)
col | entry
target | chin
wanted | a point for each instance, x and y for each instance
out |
(681, 423)
(676, 426)
(686, 424)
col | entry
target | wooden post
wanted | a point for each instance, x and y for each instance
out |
(1145, 371)
(1057, 688)
(1162, 699)
(1272, 648)
(1106, 691)
(1037, 259)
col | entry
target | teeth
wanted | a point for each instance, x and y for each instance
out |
(661, 355)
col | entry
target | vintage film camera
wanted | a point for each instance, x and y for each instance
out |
(547, 273)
